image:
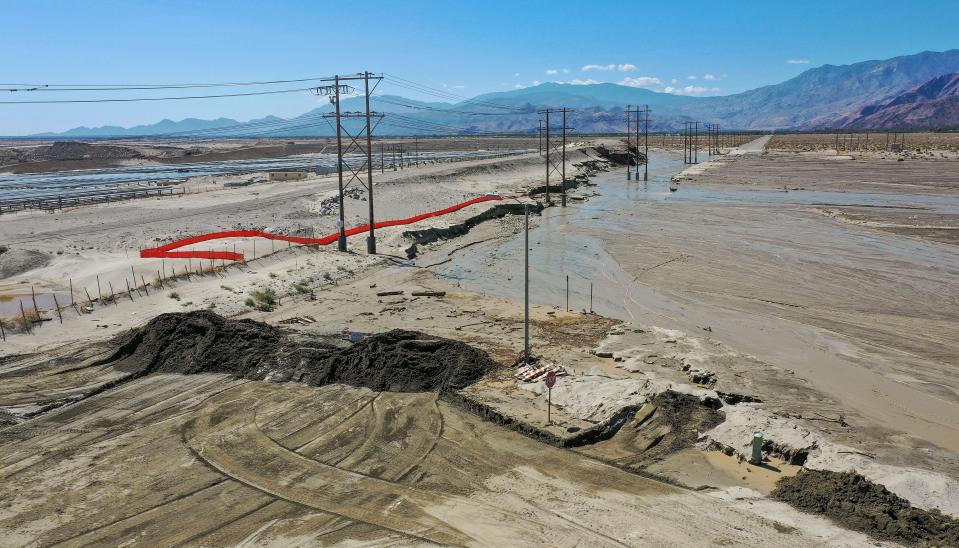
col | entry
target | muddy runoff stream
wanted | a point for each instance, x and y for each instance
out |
(760, 272)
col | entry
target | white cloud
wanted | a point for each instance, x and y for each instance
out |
(551, 72)
(626, 67)
(674, 81)
(715, 90)
(515, 75)
(690, 77)
(516, 86)
(600, 68)
(687, 90)
(587, 82)
(641, 82)
(798, 61)
(709, 77)
(535, 83)
(454, 87)
(565, 71)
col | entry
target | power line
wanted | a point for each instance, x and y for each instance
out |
(125, 87)
(140, 99)
(422, 88)
(449, 110)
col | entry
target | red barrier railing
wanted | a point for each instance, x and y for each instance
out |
(166, 251)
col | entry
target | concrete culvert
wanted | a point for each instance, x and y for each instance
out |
(204, 342)
(859, 504)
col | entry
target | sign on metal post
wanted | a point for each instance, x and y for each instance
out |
(550, 381)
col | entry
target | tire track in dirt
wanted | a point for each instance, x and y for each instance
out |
(226, 438)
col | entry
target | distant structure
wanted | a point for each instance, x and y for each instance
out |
(288, 175)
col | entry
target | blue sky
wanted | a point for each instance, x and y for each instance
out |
(704, 48)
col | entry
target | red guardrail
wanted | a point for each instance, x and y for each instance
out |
(166, 251)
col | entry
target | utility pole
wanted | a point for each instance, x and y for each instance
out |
(629, 141)
(646, 144)
(356, 142)
(541, 137)
(371, 239)
(341, 241)
(526, 287)
(547, 111)
(564, 111)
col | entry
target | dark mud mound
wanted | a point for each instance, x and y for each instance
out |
(667, 424)
(204, 342)
(859, 504)
(430, 235)
(621, 156)
(403, 361)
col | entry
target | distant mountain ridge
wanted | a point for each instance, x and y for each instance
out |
(937, 99)
(822, 97)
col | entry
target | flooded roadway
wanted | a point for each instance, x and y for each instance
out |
(866, 317)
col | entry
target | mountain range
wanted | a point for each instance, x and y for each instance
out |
(910, 91)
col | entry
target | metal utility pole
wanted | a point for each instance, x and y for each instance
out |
(526, 287)
(356, 142)
(564, 111)
(691, 142)
(371, 239)
(341, 241)
(646, 112)
(541, 137)
(629, 173)
(547, 111)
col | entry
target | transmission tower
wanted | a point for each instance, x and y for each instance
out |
(551, 146)
(360, 141)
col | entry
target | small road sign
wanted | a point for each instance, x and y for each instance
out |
(550, 379)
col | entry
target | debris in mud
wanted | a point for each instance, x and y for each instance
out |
(203, 342)
(859, 504)
(669, 423)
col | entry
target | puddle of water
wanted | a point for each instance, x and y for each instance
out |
(10, 302)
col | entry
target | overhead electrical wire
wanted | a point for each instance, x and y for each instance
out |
(126, 87)
(139, 99)
(422, 88)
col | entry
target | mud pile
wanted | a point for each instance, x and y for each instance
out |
(204, 342)
(403, 361)
(18, 261)
(859, 504)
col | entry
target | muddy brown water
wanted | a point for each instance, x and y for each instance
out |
(864, 316)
